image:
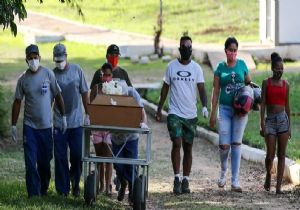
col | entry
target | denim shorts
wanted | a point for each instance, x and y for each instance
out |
(231, 126)
(276, 123)
(181, 127)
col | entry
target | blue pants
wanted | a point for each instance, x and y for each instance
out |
(130, 150)
(63, 174)
(37, 154)
(231, 131)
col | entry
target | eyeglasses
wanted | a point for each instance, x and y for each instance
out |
(231, 50)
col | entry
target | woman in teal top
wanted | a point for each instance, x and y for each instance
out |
(229, 76)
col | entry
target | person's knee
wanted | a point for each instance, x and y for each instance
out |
(187, 148)
(224, 147)
(177, 143)
(270, 156)
(281, 155)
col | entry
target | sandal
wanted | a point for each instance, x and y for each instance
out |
(108, 191)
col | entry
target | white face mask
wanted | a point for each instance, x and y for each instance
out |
(33, 64)
(61, 65)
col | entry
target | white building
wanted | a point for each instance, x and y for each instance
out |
(280, 21)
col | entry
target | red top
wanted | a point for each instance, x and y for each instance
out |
(276, 95)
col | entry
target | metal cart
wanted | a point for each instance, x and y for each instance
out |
(140, 182)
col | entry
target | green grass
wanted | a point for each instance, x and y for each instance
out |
(205, 20)
(13, 194)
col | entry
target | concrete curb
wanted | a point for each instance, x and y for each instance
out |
(291, 171)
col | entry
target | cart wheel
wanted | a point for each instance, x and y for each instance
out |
(138, 203)
(89, 184)
(145, 190)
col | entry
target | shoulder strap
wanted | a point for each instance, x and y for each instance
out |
(269, 81)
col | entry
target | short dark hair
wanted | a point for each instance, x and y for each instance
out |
(185, 38)
(106, 66)
(231, 40)
(275, 58)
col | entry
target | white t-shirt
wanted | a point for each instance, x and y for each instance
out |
(183, 80)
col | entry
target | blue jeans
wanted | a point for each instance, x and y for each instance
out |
(231, 130)
(63, 174)
(130, 150)
(37, 154)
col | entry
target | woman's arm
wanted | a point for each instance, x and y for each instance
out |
(263, 108)
(93, 93)
(247, 79)
(287, 107)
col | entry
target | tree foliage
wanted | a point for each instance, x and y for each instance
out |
(12, 9)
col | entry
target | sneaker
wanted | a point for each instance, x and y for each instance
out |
(185, 186)
(177, 186)
(236, 189)
(121, 192)
(221, 182)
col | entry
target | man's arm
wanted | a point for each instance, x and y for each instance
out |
(85, 101)
(163, 95)
(202, 94)
(15, 111)
(60, 103)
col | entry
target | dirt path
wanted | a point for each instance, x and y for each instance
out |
(205, 171)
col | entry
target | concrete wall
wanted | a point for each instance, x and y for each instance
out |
(279, 21)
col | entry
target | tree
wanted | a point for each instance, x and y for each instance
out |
(10, 9)
(158, 31)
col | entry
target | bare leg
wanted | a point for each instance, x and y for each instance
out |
(108, 171)
(270, 141)
(282, 143)
(175, 155)
(187, 158)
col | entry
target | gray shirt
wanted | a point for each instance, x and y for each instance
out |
(72, 83)
(39, 89)
(120, 138)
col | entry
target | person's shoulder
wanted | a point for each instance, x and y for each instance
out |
(75, 67)
(286, 82)
(46, 70)
(265, 81)
(195, 64)
(221, 65)
(22, 75)
(241, 62)
(119, 68)
(173, 63)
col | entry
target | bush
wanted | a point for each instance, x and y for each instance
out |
(4, 110)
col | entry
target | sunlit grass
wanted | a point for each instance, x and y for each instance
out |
(205, 20)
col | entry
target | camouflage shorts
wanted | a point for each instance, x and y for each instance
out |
(181, 127)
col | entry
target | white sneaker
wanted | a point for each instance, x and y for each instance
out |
(222, 182)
